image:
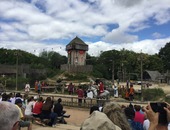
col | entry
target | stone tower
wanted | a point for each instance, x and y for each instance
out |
(76, 50)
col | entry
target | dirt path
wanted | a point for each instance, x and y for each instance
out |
(78, 115)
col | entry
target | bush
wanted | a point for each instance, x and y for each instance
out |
(153, 94)
(78, 76)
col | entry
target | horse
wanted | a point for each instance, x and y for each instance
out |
(103, 95)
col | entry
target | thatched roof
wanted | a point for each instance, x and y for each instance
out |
(78, 44)
(154, 75)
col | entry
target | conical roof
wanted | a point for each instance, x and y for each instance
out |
(77, 40)
(77, 44)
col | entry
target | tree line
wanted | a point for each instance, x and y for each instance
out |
(104, 65)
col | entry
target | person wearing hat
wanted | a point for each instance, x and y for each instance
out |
(22, 122)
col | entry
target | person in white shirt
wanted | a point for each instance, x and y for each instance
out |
(27, 88)
(29, 107)
(146, 124)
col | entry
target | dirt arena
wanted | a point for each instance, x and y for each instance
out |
(78, 115)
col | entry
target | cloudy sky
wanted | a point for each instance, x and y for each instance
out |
(37, 25)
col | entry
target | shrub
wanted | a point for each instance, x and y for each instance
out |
(153, 94)
(78, 76)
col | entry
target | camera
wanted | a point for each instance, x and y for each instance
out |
(159, 107)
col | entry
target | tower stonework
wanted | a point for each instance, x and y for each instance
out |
(76, 51)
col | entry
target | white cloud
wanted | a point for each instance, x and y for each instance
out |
(157, 35)
(146, 46)
(118, 36)
(23, 23)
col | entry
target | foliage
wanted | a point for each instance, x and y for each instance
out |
(164, 54)
(153, 94)
(122, 62)
(78, 76)
(11, 83)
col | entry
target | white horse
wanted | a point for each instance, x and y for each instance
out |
(105, 94)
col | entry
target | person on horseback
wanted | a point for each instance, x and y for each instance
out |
(101, 87)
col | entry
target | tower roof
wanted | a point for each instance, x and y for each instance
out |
(77, 44)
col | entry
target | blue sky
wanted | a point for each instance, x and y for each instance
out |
(137, 25)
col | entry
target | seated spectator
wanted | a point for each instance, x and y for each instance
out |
(37, 108)
(9, 116)
(146, 124)
(36, 111)
(47, 112)
(94, 108)
(12, 98)
(116, 115)
(29, 107)
(98, 121)
(22, 122)
(58, 108)
(130, 114)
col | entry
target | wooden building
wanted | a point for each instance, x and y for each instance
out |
(76, 51)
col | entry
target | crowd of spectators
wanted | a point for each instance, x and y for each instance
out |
(22, 111)
(131, 117)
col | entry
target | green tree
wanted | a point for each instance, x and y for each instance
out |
(164, 54)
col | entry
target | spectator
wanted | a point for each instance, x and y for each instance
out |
(47, 112)
(130, 114)
(22, 122)
(139, 117)
(58, 108)
(116, 115)
(154, 116)
(9, 116)
(94, 108)
(98, 121)
(37, 108)
(12, 98)
(29, 107)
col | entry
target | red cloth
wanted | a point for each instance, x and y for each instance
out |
(139, 117)
(80, 93)
(37, 108)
